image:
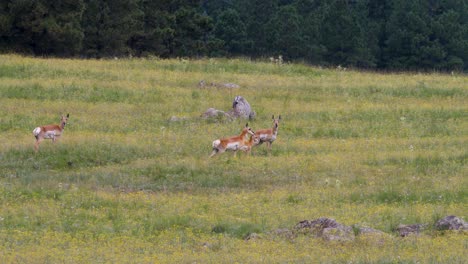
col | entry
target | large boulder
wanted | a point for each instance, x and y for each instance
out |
(241, 108)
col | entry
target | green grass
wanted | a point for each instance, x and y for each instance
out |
(125, 184)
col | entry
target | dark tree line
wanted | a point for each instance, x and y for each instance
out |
(381, 34)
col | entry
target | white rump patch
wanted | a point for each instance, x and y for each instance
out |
(216, 143)
(36, 131)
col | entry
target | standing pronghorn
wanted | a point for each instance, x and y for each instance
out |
(232, 143)
(49, 132)
(269, 135)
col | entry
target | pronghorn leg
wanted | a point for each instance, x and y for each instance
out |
(36, 145)
(217, 151)
(214, 152)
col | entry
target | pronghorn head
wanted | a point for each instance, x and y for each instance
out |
(248, 130)
(64, 119)
(256, 139)
(276, 121)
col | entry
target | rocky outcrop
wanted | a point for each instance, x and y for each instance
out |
(240, 109)
(330, 230)
(406, 230)
(326, 228)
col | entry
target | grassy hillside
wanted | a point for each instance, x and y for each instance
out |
(125, 184)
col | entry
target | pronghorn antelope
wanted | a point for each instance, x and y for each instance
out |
(49, 132)
(254, 140)
(232, 143)
(269, 135)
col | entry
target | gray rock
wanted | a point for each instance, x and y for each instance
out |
(340, 233)
(202, 84)
(213, 113)
(319, 223)
(406, 230)
(368, 230)
(252, 236)
(177, 119)
(326, 228)
(451, 222)
(241, 108)
(231, 85)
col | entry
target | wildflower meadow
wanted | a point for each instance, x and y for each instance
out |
(130, 181)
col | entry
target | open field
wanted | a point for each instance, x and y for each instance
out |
(125, 184)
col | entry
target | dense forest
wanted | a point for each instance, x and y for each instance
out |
(373, 34)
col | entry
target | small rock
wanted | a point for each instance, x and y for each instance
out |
(368, 230)
(231, 85)
(252, 236)
(405, 230)
(176, 119)
(207, 245)
(203, 84)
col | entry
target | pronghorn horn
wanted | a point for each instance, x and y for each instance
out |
(279, 117)
(273, 117)
(68, 115)
(246, 124)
